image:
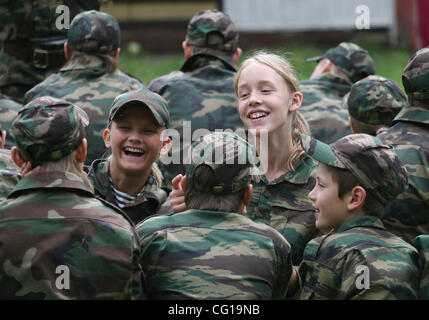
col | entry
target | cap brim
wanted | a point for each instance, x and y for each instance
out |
(145, 103)
(317, 59)
(320, 151)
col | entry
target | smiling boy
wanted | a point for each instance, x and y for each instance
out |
(357, 258)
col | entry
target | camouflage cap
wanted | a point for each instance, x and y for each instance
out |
(373, 163)
(415, 76)
(48, 129)
(351, 59)
(375, 100)
(228, 155)
(156, 104)
(212, 21)
(94, 25)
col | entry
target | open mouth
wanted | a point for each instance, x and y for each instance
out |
(134, 152)
(257, 115)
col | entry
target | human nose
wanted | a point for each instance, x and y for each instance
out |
(254, 98)
(312, 194)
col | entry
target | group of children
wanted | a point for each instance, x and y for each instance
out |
(328, 212)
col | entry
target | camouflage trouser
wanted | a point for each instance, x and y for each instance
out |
(17, 76)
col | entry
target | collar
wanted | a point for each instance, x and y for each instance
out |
(204, 59)
(412, 114)
(362, 221)
(82, 62)
(49, 180)
(300, 174)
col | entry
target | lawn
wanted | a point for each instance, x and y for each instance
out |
(389, 62)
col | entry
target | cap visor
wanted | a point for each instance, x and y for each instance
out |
(320, 151)
(317, 59)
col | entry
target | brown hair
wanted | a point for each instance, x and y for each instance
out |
(91, 47)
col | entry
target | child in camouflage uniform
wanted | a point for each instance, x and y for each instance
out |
(211, 250)
(58, 241)
(358, 258)
(130, 178)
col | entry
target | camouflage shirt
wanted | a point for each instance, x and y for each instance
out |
(198, 254)
(321, 107)
(201, 92)
(329, 269)
(151, 200)
(422, 245)
(9, 174)
(59, 242)
(408, 215)
(284, 205)
(8, 110)
(85, 82)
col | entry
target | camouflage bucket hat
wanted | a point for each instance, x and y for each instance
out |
(373, 163)
(415, 76)
(351, 59)
(48, 129)
(375, 100)
(228, 156)
(212, 21)
(156, 104)
(94, 25)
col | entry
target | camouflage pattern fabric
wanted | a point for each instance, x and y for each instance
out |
(48, 129)
(203, 93)
(8, 110)
(328, 270)
(375, 100)
(408, 215)
(284, 205)
(415, 76)
(198, 254)
(212, 21)
(9, 174)
(29, 24)
(321, 107)
(351, 59)
(51, 220)
(373, 163)
(421, 243)
(85, 82)
(152, 199)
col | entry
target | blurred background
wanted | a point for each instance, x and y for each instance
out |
(391, 30)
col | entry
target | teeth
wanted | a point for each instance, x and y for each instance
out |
(256, 115)
(136, 150)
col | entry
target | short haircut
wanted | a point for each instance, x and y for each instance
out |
(346, 182)
(108, 58)
(205, 200)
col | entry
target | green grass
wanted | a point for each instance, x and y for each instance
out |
(389, 62)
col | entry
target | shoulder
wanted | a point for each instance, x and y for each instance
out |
(158, 83)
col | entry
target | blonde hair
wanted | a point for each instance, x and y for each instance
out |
(283, 67)
(68, 164)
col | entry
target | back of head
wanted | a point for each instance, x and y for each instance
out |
(375, 100)
(48, 129)
(219, 172)
(415, 77)
(352, 60)
(213, 32)
(94, 32)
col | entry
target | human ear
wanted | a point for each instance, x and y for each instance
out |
(106, 138)
(14, 154)
(81, 151)
(237, 55)
(356, 198)
(187, 50)
(296, 101)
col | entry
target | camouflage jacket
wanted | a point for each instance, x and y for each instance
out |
(284, 205)
(59, 242)
(152, 200)
(321, 107)
(8, 110)
(422, 245)
(85, 82)
(25, 24)
(199, 254)
(201, 92)
(331, 268)
(408, 215)
(9, 174)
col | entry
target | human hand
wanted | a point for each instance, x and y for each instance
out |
(177, 194)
